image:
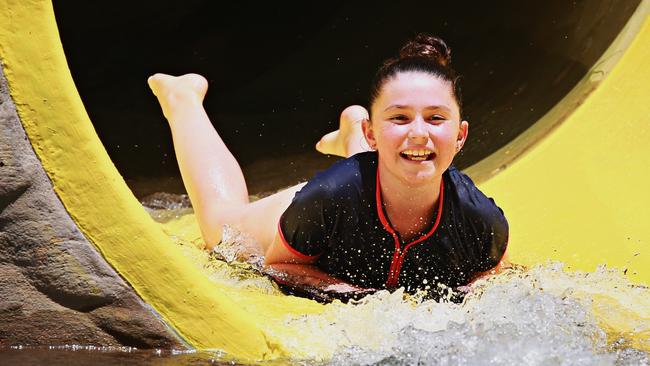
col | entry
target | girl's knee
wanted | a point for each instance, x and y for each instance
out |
(212, 225)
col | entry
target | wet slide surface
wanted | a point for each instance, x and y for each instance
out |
(553, 219)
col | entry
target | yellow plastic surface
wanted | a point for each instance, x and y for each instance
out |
(578, 195)
(581, 195)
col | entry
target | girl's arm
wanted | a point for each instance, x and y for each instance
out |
(500, 267)
(300, 274)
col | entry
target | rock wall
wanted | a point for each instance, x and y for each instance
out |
(55, 288)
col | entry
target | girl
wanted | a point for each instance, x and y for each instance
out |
(395, 213)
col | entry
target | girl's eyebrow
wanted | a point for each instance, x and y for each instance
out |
(399, 106)
(442, 107)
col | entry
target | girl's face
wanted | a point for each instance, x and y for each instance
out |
(416, 127)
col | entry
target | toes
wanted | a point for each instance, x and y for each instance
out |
(157, 77)
(353, 113)
(331, 144)
(155, 82)
(163, 84)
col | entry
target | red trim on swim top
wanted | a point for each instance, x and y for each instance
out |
(494, 270)
(292, 249)
(398, 256)
(503, 256)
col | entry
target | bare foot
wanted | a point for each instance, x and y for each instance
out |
(175, 92)
(348, 139)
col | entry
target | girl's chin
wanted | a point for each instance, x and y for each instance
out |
(424, 167)
(416, 173)
(420, 178)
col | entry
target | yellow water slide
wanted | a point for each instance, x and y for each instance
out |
(575, 185)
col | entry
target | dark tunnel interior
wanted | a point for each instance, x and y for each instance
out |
(280, 73)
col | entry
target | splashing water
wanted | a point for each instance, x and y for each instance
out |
(539, 316)
(509, 319)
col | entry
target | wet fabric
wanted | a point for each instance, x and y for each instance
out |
(335, 220)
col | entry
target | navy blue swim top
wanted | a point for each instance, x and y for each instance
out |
(338, 220)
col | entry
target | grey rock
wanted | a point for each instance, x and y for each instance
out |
(55, 287)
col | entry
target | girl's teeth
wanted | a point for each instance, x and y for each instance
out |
(417, 152)
(417, 155)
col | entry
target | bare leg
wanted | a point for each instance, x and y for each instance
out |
(348, 139)
(210, 173)
(212, 176)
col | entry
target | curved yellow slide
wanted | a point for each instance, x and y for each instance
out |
(573, 186)
(576, 185)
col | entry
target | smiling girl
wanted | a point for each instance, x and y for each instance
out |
(394, 214)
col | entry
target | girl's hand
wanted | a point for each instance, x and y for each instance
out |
(346, 287)
(346, 292)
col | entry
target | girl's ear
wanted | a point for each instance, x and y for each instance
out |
(463, 130)
(369, 134)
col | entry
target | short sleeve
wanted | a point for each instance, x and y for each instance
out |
(302, 226)
(486, 229)
(496, 234)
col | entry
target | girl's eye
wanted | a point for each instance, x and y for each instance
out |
(400, 118)
(437, 117)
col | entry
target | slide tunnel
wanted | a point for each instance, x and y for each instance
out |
(558, 98)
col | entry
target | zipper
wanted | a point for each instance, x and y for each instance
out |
(393, 272)
(399, 254)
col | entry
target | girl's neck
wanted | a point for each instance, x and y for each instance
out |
(396, 192)
(410, 209)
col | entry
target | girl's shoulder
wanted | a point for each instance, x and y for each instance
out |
(345, 182)
(481, 218)
(468, 197)
(346, 176)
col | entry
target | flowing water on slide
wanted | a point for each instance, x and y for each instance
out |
(538, 316)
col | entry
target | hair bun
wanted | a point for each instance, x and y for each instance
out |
(427, 46)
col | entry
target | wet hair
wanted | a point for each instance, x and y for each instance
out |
(424, 53)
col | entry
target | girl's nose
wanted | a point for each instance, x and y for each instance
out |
(417, 129)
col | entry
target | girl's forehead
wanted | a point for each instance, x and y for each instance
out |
(416, 89)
